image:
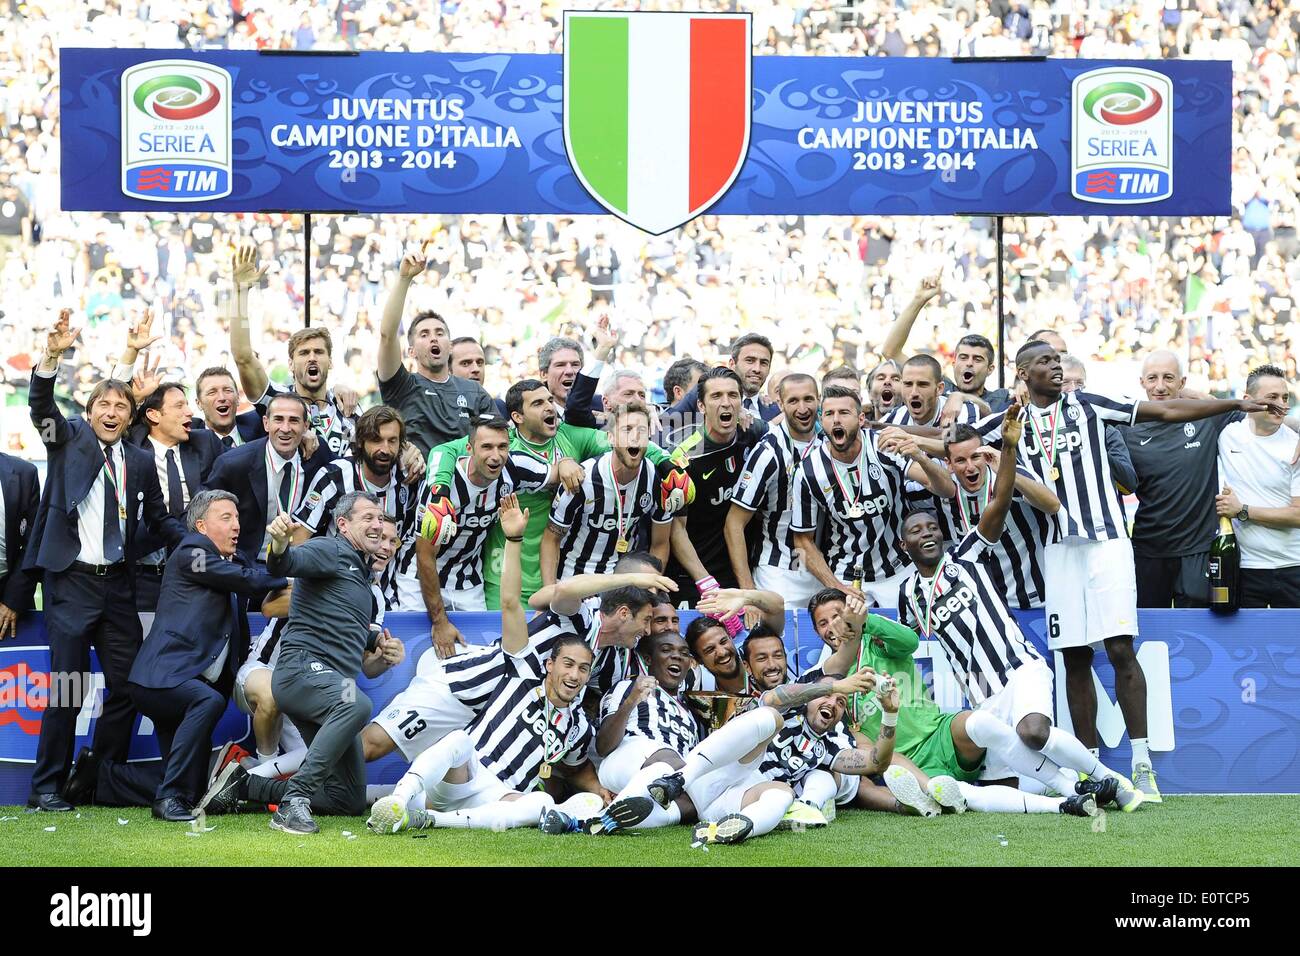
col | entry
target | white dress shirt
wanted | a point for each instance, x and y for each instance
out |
(4, 551)
(90, 510)
(160, 465)
(275, 468)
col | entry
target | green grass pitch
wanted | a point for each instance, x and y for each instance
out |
(1184, 831)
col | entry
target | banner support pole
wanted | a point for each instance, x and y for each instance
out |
(306, 267)
(1002, 317)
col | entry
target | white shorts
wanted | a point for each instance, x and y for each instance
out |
(241, 677)
(848, 790)
(483, 788)
(797, 587)
(422, 714)
(885, 591)
(627, 759)
(1028, 690)
(1091, 591)
(725, 789)
(468, 600)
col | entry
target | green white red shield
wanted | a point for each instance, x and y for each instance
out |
(656, 110)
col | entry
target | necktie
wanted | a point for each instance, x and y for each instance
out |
(175, 496)
(228, 441)
(112, 525)
(286, 488)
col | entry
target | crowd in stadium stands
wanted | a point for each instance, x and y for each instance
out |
(1220, 291)
(499, 414)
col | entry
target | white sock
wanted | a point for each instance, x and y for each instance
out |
(659, 817)
(766, 812)
(578, 806)
(1006, 800)
(1030, 785)
(500, 815)
(1141, 751)
(261, 758)
(1096, 752)
(375, 791)
(1005, 744)
(818, 787)
(281, 765)
(1066, 750)
(432, 765)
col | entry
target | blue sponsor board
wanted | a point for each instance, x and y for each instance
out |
(1234, 695)
(483, 133)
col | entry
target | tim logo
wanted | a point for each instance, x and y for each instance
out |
(176, 131)
(1122, 145)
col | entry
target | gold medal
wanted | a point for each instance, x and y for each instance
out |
(623, 546)
(545, 771)
(121, 512)
(1055, 474)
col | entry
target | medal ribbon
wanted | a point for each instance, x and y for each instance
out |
(549, 454)
(853, 502)
(618, 498)
(982, 499)
(936, 589)
(796, 457)
(1049, 450)
(118, 481)
(389, 501)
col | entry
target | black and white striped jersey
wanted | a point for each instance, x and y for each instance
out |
(766, 487)
(963, 609)
(797, 750)
(902, 415)
(600, 513)
(520, 729)
(332, 427)
(1020, 549)
(1069, 437)
(460, 563)
(399, 583)
(862, 504)
(663, 717)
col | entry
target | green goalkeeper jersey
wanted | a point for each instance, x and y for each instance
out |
(570, 441)
(887, 647)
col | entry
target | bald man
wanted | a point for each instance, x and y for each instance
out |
(1178, 477)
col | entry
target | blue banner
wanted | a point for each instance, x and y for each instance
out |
(469, 133)
(1227, 688)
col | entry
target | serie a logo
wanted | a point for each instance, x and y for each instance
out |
(176, 140)
(1122, 143)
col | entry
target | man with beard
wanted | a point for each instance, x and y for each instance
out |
(713, 646)
(941, 762)
(372, 466)
(953, 599)
(538, 432)
(605, 516)
(884, 389)
(436, 405)
(766, 490)
(859, 489)
(751, 360)
(479, 481)
(713, 456)
(529, 726)
(1091, 595)
(310, 360)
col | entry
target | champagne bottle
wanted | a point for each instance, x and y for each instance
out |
(1225, 563)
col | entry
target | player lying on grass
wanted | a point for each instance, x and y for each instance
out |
(954, 599)
(488, 775)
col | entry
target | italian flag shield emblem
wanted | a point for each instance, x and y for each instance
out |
(656, 110)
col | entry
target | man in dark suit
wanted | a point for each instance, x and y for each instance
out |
(183, 458)
(751, 359)
(20, 496)
(100, 494)
(218, 399)
(183, 675)
(267, 475)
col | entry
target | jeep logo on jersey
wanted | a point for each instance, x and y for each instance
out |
(1122, 136)
(597, 523)
(1065, 441)
(176, 140)
(656, 110)
(871, 506)
(722, 495)
(953, 604)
